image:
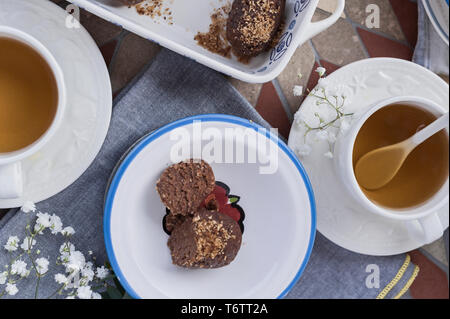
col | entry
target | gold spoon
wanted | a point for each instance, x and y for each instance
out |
(378, 167)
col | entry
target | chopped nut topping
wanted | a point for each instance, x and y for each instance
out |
(211, 238)
(257, 25)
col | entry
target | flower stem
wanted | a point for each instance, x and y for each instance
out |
(37, 287)
(57, 291)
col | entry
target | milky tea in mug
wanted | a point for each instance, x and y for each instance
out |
(28, 95)
(424, 171)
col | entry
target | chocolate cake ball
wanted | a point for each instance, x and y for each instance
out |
(183, 187)
(252, 25)
(206, 240)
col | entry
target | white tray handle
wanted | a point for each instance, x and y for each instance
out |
(315, 28)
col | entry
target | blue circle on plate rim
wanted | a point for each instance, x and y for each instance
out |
(136, 149)
(433, 17)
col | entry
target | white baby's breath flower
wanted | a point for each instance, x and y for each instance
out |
(19, 267)
(12, 244)
(42, 222)
(303, 150)
(328, 155)
(70, 297)
(340, 94)
(87, 273)
(324, 83)
(28, 243)
(299, 118)
(321, 71)
(43, 219)
(331, 137)
(322, 135)
(68, 231)
(3, 277)
(344, 125)
(11, 289)
(28, 206)
(102, 272)
(96, 295)
(66, 248)
(297, 90)
(42, 265)
(61, 279)
(55, 224)
(76, 261)
(84, 292)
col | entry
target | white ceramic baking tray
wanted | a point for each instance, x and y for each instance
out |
(192, 16)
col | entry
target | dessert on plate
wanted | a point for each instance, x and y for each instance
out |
(183, 186)
(205, 230)
(206, 240)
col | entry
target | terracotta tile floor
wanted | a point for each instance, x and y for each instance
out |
(347, 41)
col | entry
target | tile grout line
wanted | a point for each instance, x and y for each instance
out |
(356, 25)
(434, 260)
(280, 93)
(316, 53)
(353, 25)
(379, 33)
(119, 39)
(283, 100)
(398, 21)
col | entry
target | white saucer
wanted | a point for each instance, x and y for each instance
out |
(89, 99)
(338, 218)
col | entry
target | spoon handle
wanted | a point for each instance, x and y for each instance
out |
(430, 130)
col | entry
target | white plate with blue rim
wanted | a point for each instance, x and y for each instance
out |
(279, 210)
(438, 13)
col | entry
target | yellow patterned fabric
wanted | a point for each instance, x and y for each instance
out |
(409, 283)
(397, 278)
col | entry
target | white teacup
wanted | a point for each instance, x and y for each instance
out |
(11, 179)
(425, 213)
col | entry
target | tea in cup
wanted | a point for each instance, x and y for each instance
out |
(32, 101)
(420, 188)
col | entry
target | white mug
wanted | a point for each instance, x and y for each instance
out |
(426, 213)
(11, 179)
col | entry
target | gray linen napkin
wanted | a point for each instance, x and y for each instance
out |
(431, 51)
(171, 88)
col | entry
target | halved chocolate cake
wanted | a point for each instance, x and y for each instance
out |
(206, 240)
(184, 186)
